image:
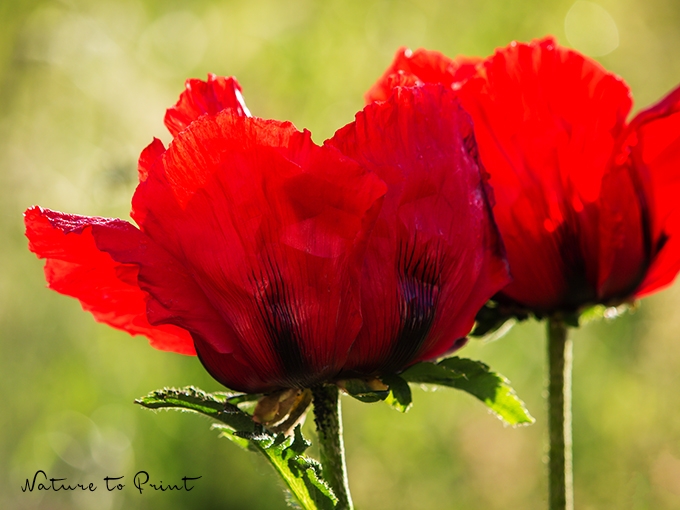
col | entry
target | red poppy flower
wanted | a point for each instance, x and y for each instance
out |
(253, 245)
(585, 202)
(434, 257)
(249, 246)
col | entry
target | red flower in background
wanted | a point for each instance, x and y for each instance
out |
(411, 68)
(586, 203)
(253, 246)
(434, 257)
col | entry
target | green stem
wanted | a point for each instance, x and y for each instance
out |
(561, 479)
(331, 448)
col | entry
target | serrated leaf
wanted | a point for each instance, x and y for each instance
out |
(400, 393)
(195, 400)
(299, 444)
(301, 474)
(476, 378)
(261, 439)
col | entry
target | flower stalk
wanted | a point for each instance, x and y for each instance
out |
(561, 490)
(328, 419)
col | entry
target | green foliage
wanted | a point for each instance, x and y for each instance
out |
(477, 379)
(400, 393)
(599, 312)
(365, 390)
(463, 374)
(494, 320)
(389, 388)
(301, 474)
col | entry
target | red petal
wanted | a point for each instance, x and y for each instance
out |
(149, 157)
(108, 289)
(205, 97)
(182, 181)
(272, 228)
(434, 257)
(623, 241)
(418, 67)
(665, 264)
(129, 282)
(547, 121)
(654, 144)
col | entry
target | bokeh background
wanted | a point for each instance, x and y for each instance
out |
(83, 88)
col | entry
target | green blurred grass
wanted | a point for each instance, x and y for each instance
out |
(83, 88)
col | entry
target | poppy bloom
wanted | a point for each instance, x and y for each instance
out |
(253, 245)
(586, 202)
(249, 245)
(434, 257)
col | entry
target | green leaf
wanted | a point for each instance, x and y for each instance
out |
(400, 393)
(494, 320)
(365, 390)
(301, 474)
(477, 379)
(228, 433)
(194, 400)
(299, 444)
(430, 373)
(239, 398)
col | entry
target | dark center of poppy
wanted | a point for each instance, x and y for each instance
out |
(419, 270)
(579, 289)
(282, 325)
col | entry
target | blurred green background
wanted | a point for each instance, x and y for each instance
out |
(83, 88)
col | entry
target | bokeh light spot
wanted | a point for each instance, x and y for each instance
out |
(591, 29)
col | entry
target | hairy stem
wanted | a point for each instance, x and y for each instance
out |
(561, 490)
(332, 450)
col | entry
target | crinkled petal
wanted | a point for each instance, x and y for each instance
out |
(181, 182)
(434, 257)
(418, 67)
(205, 97)
(129, 282)
(108, 289)
(272, 228)
(149, 157)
